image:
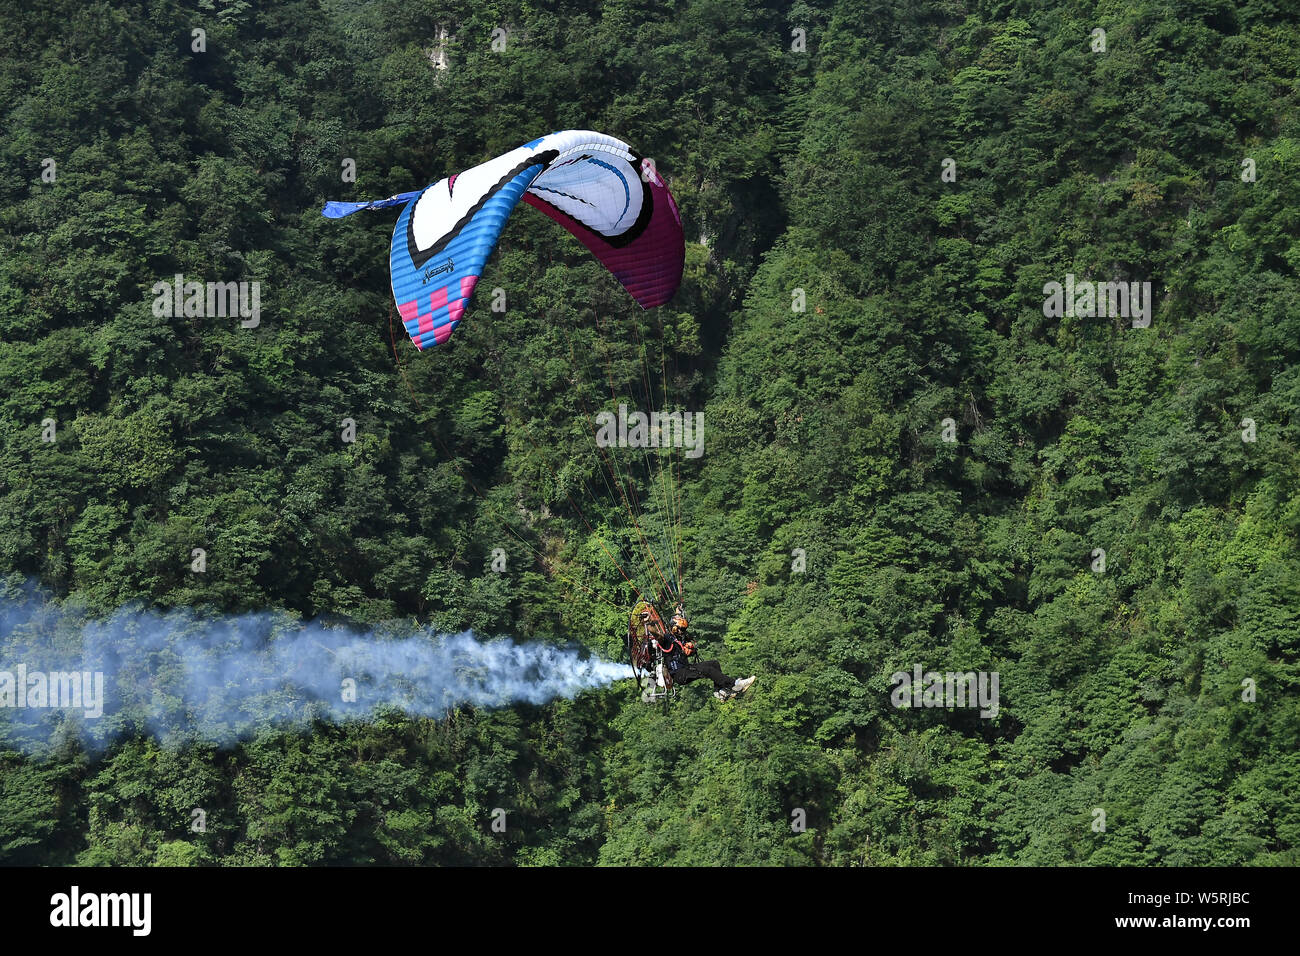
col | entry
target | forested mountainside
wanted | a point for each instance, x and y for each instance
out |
(911, 458)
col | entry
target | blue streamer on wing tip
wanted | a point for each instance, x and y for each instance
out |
(337, 210)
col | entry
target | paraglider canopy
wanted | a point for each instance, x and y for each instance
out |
(594, 185)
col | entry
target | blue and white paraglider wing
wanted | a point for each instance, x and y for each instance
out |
(594, 185)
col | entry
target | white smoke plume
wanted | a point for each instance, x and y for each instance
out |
(185, 676)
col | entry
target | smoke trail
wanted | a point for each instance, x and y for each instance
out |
(183, 676)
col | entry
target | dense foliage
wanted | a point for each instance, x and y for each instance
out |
(817, 170)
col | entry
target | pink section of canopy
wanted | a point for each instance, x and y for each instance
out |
(650, 267)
